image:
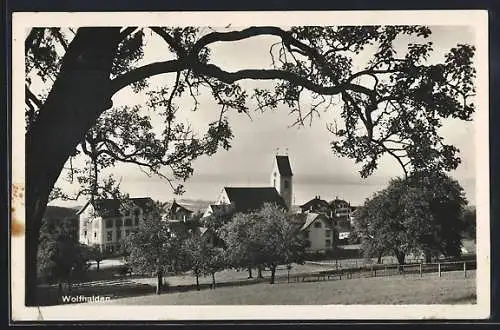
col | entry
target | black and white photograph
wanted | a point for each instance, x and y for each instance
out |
(250, 165)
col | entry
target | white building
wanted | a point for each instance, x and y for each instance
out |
(105, 222)
(317, 229)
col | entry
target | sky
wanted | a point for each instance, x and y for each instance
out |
(317, 170)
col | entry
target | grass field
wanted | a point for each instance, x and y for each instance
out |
(430, 289)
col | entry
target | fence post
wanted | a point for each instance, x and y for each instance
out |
(439, 269)
(465, 269)
(420, 269)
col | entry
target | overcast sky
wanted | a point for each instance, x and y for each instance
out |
(317, 171)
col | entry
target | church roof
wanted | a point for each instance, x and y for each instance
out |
(247, 199)
(284, 165)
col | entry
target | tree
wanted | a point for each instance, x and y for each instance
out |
(60, 256)
(391, 106)
(194, 260)
(266, 238)
(96, 254)
(469, 218)
(419, 215)
(215, 261)
(153, 248)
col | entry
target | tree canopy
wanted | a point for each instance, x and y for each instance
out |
(265, 238)
(418, 215)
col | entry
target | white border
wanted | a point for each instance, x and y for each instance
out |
(475, 18)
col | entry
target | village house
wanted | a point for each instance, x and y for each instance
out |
(338, 211)
(176, 219)
(318, 232)
(105, 222)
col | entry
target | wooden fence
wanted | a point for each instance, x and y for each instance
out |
(381, 270)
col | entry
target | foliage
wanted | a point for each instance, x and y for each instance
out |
(417, 215)
(152, 248)
(94, 253)
(60, 256)
(469, 218)
(264, 238)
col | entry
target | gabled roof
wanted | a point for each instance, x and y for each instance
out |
(111, 207)
(311, 217)
(338, 203)
(284, 165)
(176, 207)
(245, 199)
(60, 212)
(219, 208)
(315, 202)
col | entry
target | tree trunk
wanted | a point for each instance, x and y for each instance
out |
(273, 272)
(213, 281)
(401, 259)
(260, 272)
(250, 272)
(79, 95)
(197, 282)
(159, 281)
(428, 257)
(59, 288)
(98, 263)
(379, 258)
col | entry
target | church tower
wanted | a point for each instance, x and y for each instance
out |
(281, 179)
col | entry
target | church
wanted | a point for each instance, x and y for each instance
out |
(247, 199)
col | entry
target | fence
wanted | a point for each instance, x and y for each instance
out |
(381, 270)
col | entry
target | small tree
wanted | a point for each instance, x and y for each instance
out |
(60, 256)
(193, 250)
(96, 254)
(214, 261)
(153, 249)
(264, 238)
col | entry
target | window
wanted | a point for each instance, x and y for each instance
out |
(317, 224)
(328, 233)
(127, 212)
(109, 223)
(119, 223)
(274, 183)
(85, 233)
(109, 236)
(118, 234)
(328, 243)
(285, 183)
(128, 222)
(95, 234)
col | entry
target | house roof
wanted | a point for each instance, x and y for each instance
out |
(311, 217)
(111, 207)
(338, 203)
(60, 212)
(315, 202)
(247, 199)
(176, 207)
(284, 165)
(219, 208)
